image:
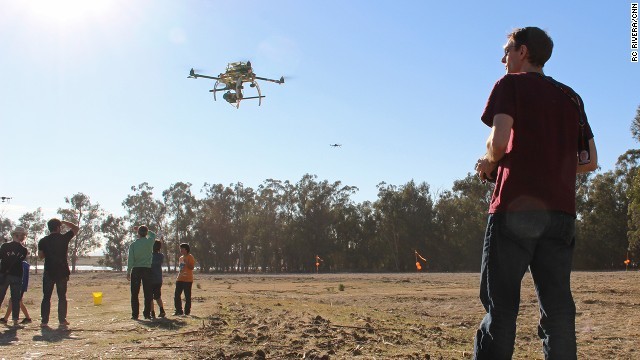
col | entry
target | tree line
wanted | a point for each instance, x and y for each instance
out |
(282, 226)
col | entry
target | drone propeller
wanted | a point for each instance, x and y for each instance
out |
(281, 81)
(193, 74)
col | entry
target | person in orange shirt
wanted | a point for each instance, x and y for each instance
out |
(184, 280)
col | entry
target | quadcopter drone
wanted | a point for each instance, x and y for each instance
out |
(232, 81)
(5, 198)
(335, 145)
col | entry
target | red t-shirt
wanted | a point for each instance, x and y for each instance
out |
(538, 171)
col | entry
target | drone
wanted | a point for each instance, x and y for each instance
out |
(5, 198)
(232, 81)
(335, 145)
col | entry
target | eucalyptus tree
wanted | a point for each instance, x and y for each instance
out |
(114, 229)
(313, 227)
(365, 251)
(144, 209)
(601, 236)
(635, 125)
(405, 217)
(633, 195)
(460, 217)
(627, 180)
(213, 238)
(181, 207)
(267, 225)
(244, 242)
(88, 217)
(5, 228)
(35, 224)
(355, 234)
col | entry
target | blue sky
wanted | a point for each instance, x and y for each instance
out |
(95, 96)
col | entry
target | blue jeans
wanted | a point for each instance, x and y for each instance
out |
(47, 291)
(15, 284)
(543, 242)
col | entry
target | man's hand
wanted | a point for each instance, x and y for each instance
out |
(484, 169)
(71, 226)
(128, 277)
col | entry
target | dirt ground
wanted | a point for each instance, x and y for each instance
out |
(325, 316)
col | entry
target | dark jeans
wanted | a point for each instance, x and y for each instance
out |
(141, 274)
(177, 300)
(542, 242)
(47, 290)
(15, 284)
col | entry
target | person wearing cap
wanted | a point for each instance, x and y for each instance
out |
(53, 248)
(11, 256)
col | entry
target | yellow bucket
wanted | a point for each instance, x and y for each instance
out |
(97, 298)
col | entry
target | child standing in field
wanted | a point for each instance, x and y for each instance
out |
(11, 256)
(184, 280)
(25, 285)
(156, 278)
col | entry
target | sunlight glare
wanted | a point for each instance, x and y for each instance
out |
(67, 12)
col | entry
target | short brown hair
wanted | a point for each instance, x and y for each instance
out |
(143, 230)
(538, 43)
(54, 224)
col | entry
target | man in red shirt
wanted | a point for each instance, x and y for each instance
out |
(538, 128)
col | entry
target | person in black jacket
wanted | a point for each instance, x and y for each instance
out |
(11, 256)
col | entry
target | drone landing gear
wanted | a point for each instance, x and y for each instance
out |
(255, 85)
(215, 89)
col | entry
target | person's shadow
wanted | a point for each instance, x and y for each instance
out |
(9, 336)
(55, 334)
(165, 323)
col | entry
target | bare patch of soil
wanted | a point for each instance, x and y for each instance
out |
(326, 316)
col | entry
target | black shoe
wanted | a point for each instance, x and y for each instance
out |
(178, 313)
(162, 314)
(3, 320)
(134, 318)
(26, 321)
(187, 313)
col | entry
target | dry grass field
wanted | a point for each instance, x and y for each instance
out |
(325, 316)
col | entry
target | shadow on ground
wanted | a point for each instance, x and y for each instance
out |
(165, 323)
(56, 335)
